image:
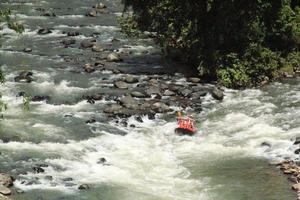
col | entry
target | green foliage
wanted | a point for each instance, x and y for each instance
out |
(129, 26)
(5, 16)
(240, 43)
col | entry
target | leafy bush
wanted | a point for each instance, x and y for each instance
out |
(238, 42)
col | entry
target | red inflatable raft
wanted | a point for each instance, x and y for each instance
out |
(185, 126)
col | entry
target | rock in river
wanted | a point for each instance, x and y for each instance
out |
(130, 79)
(24, 76)
(88, 43)
(121, 85)
(217, 94)
(160, 107)
(44, 31)
(113, 57)
(84, 187)
(6, 180)
(4, 190)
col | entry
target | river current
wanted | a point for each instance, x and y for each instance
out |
(229, 159)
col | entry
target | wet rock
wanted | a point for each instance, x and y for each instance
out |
(186, 93)
(68, 179)
(296, 187)
(84, 187)
(137, 94)
(297, 141)
(153, 82)
(91, 121)
(124, 123)
(293, 179)
(128, 102)
(49, 178)
(24, 76)
(73, 33)
(48, 14)
(113, 57)
(132, 126)
(265, 144)
(153, 90)
(27, 50)
(92, 98)
(21, 94)
(121, 85)
(40, 98)
(297, 151)
(91, 13)
(217, 94)
(68, 42)
(112, 109)
(4, 190)
(151, 116)
(130, 79)
(19, 191)
(6, 180)
(160, 107)
(44, 31)
(139, 119)
(88, 43)
(89, 68)
(101, 161)
(100, 6)
(38, 169)
(194, 80)
(97, 48)
(169, 93)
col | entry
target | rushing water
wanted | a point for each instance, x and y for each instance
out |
(224, 161)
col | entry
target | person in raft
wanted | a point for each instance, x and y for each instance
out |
(185, 125)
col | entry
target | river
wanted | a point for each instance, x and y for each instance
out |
(229, 159)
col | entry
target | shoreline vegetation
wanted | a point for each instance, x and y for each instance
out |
(239, 44)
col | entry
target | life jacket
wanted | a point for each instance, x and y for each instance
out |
(186, 123)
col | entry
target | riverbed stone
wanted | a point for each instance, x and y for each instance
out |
(112, 109)
(44, 31)
(130, 79)
(97, 48)
(128, 102)
(194, 80)
(138, 94)
(84, 187)
(24, 76)
(160, 107)
(169, 93)
(27, 50)
(4, 190)
(88, 43)
(73, 33)
(40, 98)
(91, 13)
(153, 90)
(113, 57)
(121, 85)
(296, 187)
(297, 141)
(68, 42)
(6, 180)
(100, 6)
(89, 68)
(217, 94)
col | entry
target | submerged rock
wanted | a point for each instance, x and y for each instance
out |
(73, 33)
(97, 48)
(84, 187)
(27, 50)
(24, 76)
(68, 42)
(44, 31)
(91, 13)
(40, 98)
(137, 94)
(89, 68)
(297, 141)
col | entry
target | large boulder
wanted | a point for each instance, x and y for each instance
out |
(113, 57)
(88, 43)
(97, 48)
(6, 180)
(121, 85)
(217, 94)
(4, 190)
